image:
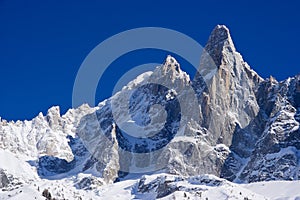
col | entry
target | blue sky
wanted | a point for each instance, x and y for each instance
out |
(43, 43)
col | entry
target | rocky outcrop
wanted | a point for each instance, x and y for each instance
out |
(196, 187)
(4, 181)
(89, 183)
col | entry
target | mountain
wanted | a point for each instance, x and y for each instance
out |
(227, 122)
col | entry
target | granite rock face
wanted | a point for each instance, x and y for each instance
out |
(276, 153)
(229, 134)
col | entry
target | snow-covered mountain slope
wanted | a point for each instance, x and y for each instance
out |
(158, 186)
(227, 122)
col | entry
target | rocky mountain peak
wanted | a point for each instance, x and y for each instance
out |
(170, 74)
(220, 34)
(171, 64)
(273, 80)
(239, 127)
(219, 43)
(53, 116)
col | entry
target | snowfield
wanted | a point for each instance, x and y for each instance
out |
(199, 187)
(145, 187)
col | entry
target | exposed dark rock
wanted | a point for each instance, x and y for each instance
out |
(4, 181)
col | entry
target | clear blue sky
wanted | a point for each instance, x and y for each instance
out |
(43, 43)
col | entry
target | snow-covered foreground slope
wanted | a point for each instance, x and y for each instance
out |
(277, 190)
(157, 186)
(145, 187)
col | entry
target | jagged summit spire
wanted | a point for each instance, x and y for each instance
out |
(171, 63)
(219, 40)
(220, 34)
